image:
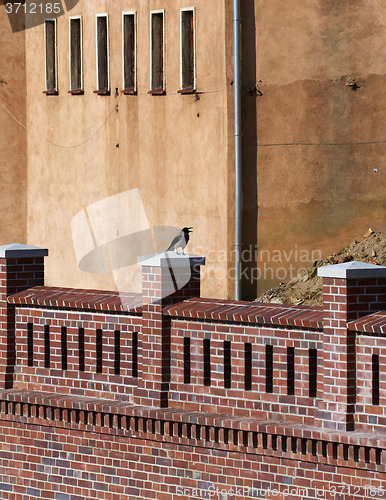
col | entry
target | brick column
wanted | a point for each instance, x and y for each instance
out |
(350, 291)
(166, 279)
(21, 267)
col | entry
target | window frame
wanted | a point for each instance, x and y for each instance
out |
(81, 89)
(55, 90)
(125, 90)
(162, 90)
(100, 91)
(188, 90)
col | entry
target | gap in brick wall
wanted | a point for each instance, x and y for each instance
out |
(99, 350)
(312, 372)
(46, 346)
(265, 440)
(227, 364)
(375, 379)
(248, 366)
(117, 352)
(30, 344)
(269, 368)
(81, 352)
(290, 371)
(207, 373)
(64, 347)
(187, 360)
(134, 368)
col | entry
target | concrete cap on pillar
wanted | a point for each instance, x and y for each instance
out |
(18, 250)
(352, 269)
(170, 259)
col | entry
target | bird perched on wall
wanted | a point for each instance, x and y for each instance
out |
(181, 240)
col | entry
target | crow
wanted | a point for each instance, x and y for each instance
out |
(181, 240)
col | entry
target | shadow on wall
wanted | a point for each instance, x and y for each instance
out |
(249, 94)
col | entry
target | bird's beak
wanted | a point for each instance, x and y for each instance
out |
(189, 229)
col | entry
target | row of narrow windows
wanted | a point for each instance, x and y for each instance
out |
(81, 350)
(129, 53)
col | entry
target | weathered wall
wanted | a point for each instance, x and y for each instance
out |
(318, 144)
(13, 139)
(313, 147)
(172, 148)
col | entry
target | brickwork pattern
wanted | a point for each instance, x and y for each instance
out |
(172, 396)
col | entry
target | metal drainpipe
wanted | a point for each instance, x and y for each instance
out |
(238, 179)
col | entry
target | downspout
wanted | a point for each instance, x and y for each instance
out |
(237, 134)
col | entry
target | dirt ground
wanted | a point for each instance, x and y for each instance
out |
(307, 289)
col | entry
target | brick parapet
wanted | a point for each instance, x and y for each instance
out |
(268, 399)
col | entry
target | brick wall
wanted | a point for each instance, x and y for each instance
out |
(169, 395)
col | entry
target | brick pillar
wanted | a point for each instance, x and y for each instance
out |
(166, 279)
(21, 267)
(350, 291)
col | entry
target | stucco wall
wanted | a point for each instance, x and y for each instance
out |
(172, 148)
(320, 145)
(13, 151)
(313, 148)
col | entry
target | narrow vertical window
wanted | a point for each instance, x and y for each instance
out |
(134, 371)
(157, 53)
(227, 364)
(186, 360)
(99, 350)
(129, 53)
(51, 60)
(290, 371)
(117, 352)
(64, 347)
(46, 346)
(206, 345)
(248, 366)
(269, 368)
(81, 349)
(375, 391)
(187, 51)
(30, 344)
(102, 33)
(76, 63)
(313, 372)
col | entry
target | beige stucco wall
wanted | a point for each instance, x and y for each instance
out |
(172, 148)
(313, 148)
(318, 142)
(13, 143)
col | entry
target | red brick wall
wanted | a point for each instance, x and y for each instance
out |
(370, 414)
(255, 402)
(69, 432)
(68, 461)
(86, 382)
